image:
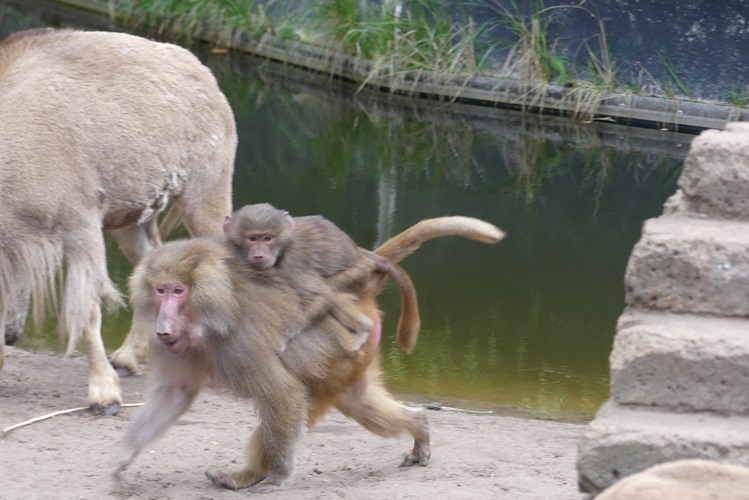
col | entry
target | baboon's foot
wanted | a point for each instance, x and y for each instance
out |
(108, 410)
(234, 480)
(124, 363)
(419, 455)
(104, 396)
(266, 487)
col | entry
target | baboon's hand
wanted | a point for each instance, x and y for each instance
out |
(123, 462)
(353, 320)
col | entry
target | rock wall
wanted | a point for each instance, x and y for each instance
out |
(680, 361)
(695, 50)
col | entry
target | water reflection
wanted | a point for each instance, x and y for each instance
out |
(525, 325)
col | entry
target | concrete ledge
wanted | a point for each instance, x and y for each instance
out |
(681, 362)
(624, 440)
(689, 265)
(715, 180)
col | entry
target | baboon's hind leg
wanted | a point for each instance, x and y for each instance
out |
(370, 404)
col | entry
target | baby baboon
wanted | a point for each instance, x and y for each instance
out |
(328, 270)
(212, 317)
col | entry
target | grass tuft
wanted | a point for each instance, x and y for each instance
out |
(393, 39)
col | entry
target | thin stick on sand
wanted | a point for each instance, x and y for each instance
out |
(54, 414)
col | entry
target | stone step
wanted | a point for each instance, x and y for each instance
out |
(715, 180)
(690, 265)
(681, 362)
(623, 440)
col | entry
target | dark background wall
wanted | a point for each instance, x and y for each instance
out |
(705, 42)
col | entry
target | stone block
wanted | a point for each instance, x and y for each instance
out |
(683, 480)
(624, 440)
(681, 362)
(690, 265)
(715, 179)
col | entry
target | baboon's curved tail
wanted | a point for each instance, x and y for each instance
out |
(400, 246)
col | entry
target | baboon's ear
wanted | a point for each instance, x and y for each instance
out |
(289, 219)
(227, 220)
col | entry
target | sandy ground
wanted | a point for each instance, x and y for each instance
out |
(70, 456)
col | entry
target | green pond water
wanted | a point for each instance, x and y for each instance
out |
(523, 327)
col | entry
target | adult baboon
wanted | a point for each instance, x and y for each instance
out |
(100, 131)
(213, 318)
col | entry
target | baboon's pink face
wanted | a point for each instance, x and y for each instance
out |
(172, 323)
(260, 250)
